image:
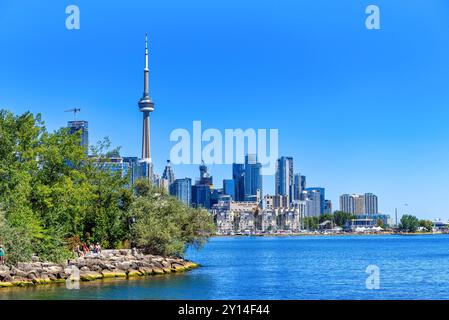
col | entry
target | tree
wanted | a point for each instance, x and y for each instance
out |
(311, 223)
(50, 191)
(380, 223)
(427, 225)
(409, 223)
(22, 174)
(341, 218)
(163, 225)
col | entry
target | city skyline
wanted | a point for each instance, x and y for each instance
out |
(338, 151)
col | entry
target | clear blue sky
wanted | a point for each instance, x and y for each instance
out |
(359, 110)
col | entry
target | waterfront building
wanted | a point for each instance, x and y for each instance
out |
(289, 219)
(267, 221)
(224, 221)
(238, 175)
(182, 190)
(253, 178)
(346, 203)
(284, 177)
(82, 127)
(370, 203)
(359, 204)
(375, 219)
(276, 201)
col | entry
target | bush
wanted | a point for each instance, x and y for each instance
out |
(164, 226)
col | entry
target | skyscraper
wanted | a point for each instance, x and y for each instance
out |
(146, 106)
(229, 188)
(318, 194)
(201, 191)
(83, 126)
(327, 207)
(182, 190)
(314, 206)
(284, 177)
(205, 177)
(201, 196)
(370, 202)
(253, 178)
(168, 174)
(238, 175)
(359, 204)
(297, 186)
(347, 203)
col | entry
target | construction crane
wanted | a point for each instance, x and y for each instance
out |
(75, 111)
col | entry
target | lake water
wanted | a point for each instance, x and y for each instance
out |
(306, 267)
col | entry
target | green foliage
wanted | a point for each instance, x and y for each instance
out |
(17, 241)
(409, 223)
(163, 225)
(341, 218)
(311, 223)
(53, 196)
(427, 225)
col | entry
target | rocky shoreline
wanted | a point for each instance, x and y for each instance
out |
(109, 264)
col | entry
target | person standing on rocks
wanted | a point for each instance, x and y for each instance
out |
(2, 255)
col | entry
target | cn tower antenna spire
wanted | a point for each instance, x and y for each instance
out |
(146, 51)
(146, 106)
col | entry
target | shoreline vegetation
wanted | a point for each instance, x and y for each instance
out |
(56, 196)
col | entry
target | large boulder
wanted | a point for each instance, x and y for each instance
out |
(134, 273)
(90, 275)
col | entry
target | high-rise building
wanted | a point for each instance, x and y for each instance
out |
(297, 186)
(313, 203)
(205, 177)
(370, 201)
(284, 177)
(238, 175)
(327, 207)
(168, 174)
(359, 204)
(253, 178)
(113, 165)
(201, 196)
(216, 195)
(83, 126)
(146, 106)
(318, 194)
(182, 190)
(303, 188)
(229, 188)
(201, 191)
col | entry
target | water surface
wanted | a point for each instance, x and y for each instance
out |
(306, 267)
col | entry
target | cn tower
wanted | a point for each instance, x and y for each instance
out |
(146, 105)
